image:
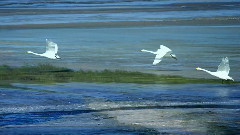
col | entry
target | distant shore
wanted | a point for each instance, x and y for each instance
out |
(28, 8)
(171, 22)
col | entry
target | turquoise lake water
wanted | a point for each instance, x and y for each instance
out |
(104, 34)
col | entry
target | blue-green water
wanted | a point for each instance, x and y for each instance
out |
(119, 48)
(98, 35)
(92, 108)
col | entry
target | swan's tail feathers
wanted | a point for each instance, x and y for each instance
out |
(230, 78)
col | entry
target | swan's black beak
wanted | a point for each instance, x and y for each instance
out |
(174, 56)
(57, 57)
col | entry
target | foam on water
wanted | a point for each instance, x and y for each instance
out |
(123, 106)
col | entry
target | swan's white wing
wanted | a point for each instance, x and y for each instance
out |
(224, 66)
(165, 49)
(51, 47)
(160, 54)
(158, 58)
(56, 48)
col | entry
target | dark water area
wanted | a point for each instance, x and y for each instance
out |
(92, 108)
(64, 12)
(95, 3)
(109, 34)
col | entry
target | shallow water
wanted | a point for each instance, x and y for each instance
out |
(106, 34)
(120, 108)
(112, 48)
(200, 33)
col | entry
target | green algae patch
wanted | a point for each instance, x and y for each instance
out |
(47, 74)
(41, 73)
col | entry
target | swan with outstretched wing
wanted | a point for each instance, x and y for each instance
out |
(160, 53)
(51, 50)
(222, 71)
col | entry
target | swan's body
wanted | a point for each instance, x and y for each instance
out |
(160, 53)
(51, 51)
(222, 71)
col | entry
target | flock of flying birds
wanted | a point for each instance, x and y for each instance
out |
(222, 71)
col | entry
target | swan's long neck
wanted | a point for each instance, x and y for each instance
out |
(204, 70)
(143, 50)
(217, 74)
(34, 53)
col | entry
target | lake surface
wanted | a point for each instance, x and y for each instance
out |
(91, 108)
(104, 34)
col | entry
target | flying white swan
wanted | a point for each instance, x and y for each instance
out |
(51, 50)
(222, 71)
(160, 53)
